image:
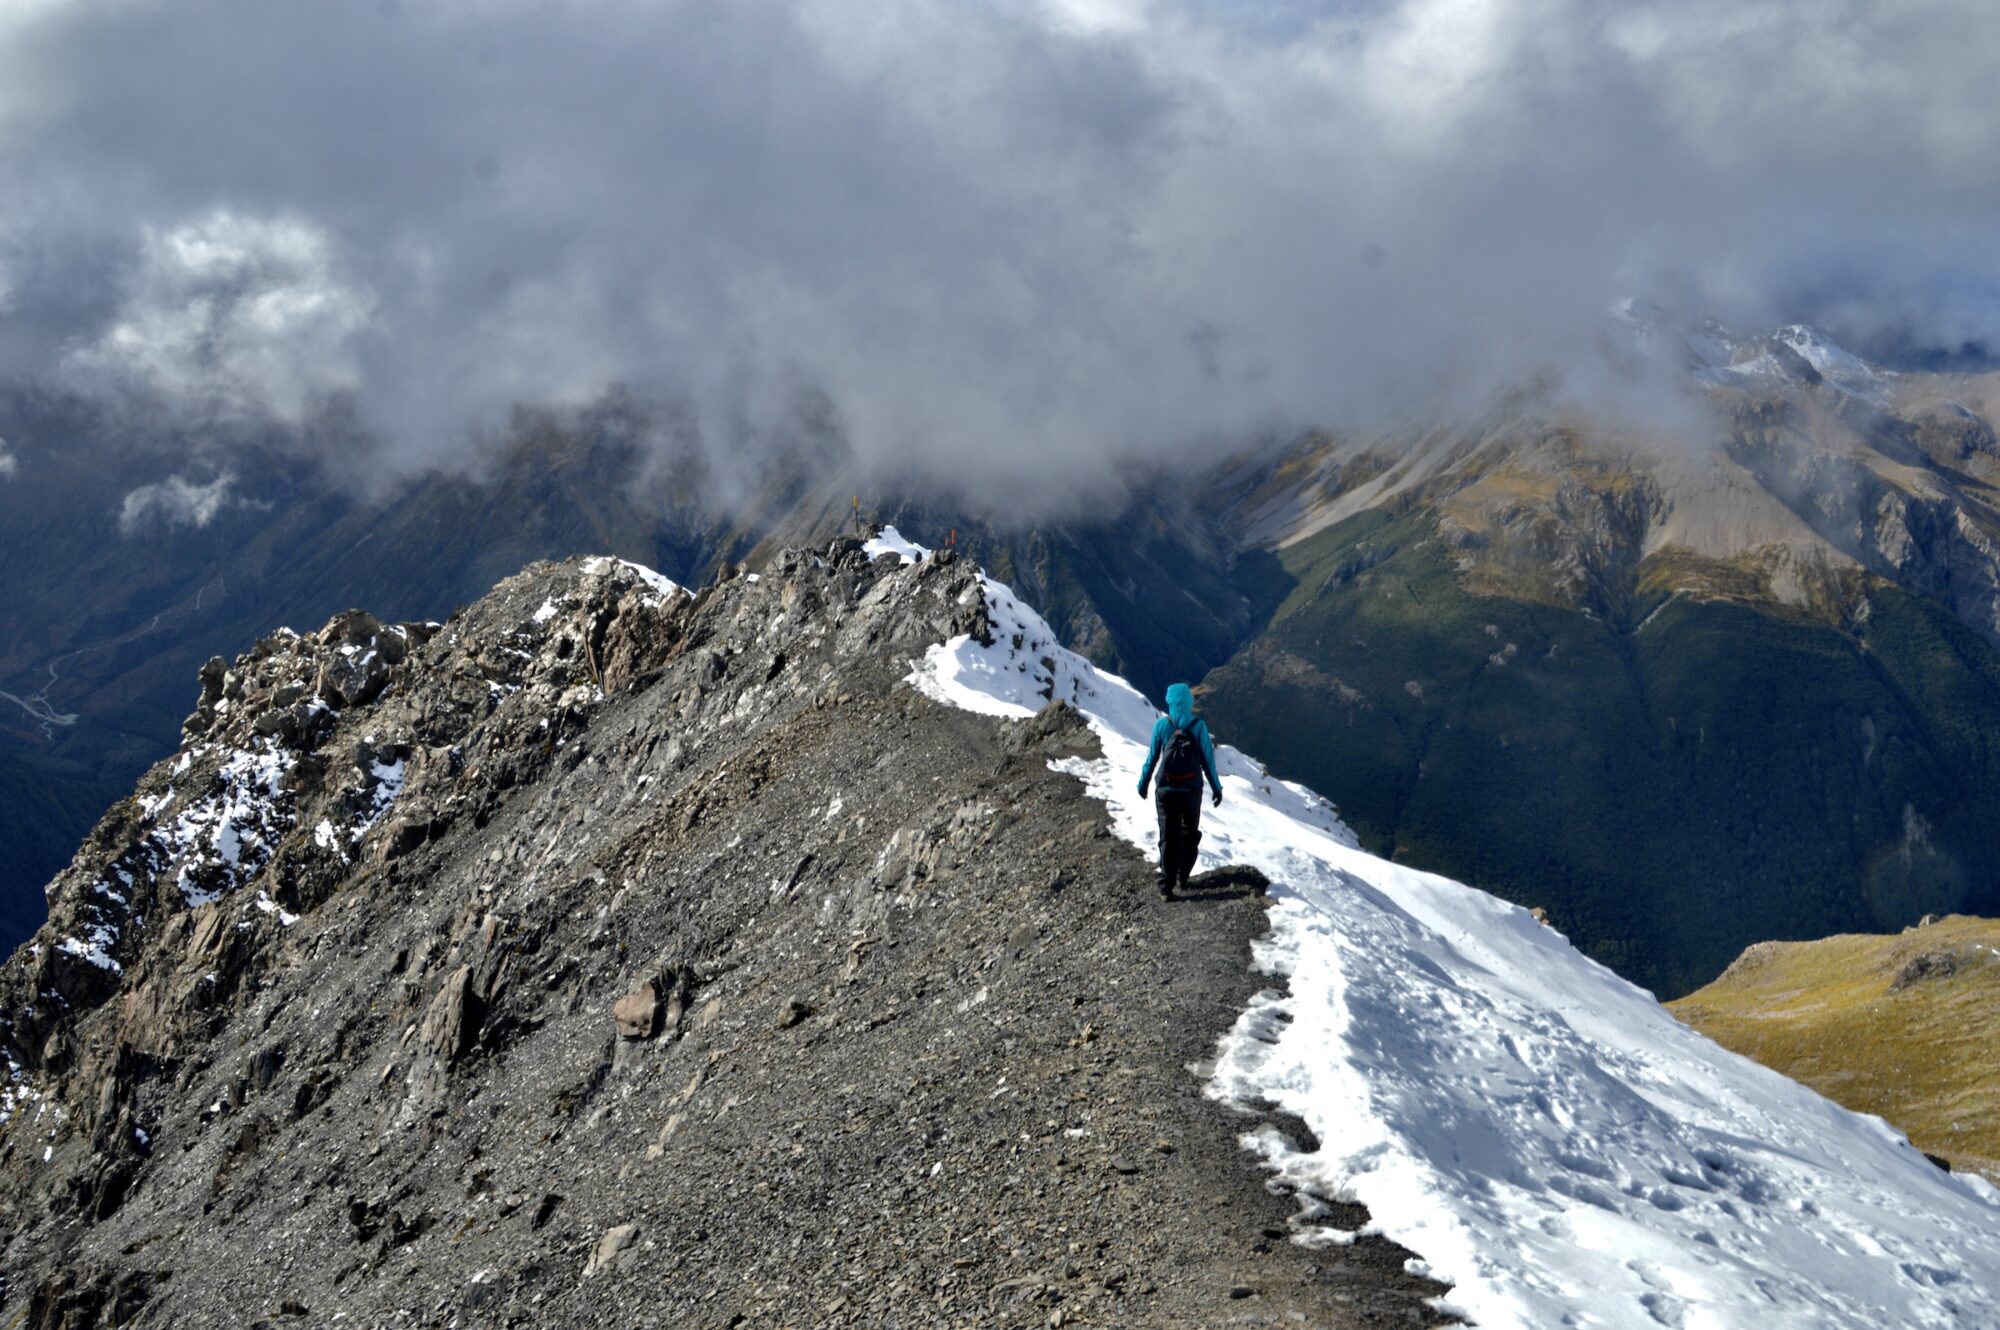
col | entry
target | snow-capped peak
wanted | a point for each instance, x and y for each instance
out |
(1549, 1139)
(1835, 365)
(1711, 353)
(1824, 354)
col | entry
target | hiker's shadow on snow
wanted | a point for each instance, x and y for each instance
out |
(1234, 882)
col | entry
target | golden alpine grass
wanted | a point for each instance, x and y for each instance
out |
(1902, 1025)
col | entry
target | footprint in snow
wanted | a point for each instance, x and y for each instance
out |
(1659, 1302)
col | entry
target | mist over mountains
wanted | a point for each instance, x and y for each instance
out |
(1767, 648)
(1027, 247)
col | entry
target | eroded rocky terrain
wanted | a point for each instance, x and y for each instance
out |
(611, 955)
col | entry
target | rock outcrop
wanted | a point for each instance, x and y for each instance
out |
(616, 955)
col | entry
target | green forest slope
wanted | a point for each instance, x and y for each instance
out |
(1671, 785)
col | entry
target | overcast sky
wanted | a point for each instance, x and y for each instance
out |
(1022, 243)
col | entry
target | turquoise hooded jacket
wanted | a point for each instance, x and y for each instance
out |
(1180, 711)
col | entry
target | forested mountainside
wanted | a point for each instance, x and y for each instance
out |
(1686, 699)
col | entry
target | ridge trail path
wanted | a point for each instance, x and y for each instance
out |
(638, 959)
(1017, 1076)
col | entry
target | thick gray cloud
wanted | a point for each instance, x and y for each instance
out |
(1020, 245)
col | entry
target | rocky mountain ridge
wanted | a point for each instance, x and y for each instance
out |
(1791, 474)
(103, 623)
(609, 951)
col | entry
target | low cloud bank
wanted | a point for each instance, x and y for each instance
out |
(1023, 248)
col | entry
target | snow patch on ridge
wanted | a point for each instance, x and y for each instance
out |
(1548, 1139)
(891, 541)
(96, 948)
(661, 585)
(223, 838)
(387, 779)
(220, 839)
(17, 1093)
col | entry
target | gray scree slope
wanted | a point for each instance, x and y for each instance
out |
(608, 959)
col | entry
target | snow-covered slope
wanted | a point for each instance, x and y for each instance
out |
(1551, 1141)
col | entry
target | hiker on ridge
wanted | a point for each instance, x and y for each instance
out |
(1184, 754)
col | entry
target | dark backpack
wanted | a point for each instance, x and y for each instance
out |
(1181, 764)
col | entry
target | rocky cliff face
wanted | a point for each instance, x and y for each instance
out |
(1792, 476)
(611, 954)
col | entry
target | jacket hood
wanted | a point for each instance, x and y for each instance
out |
(1180, 704)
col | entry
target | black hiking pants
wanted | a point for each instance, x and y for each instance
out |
(1179, 808)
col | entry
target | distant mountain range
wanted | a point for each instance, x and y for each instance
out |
(1691, 683)
(1686, 691)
